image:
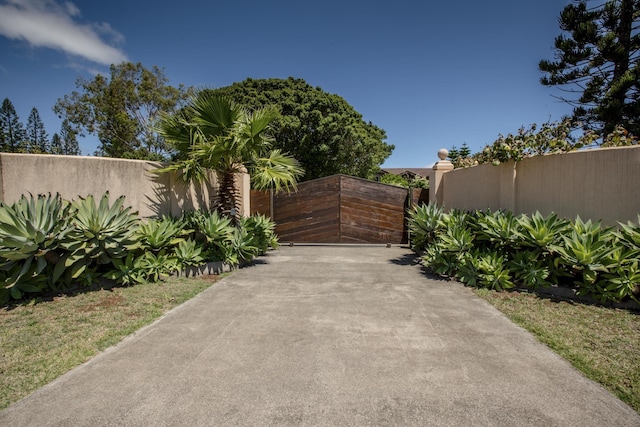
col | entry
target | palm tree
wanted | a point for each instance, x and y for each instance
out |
(213, 132)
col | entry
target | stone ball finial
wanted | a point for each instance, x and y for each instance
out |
(443, 153)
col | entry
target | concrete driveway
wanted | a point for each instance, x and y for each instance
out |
(326, 336)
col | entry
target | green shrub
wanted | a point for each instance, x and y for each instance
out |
(449, 250)
(629, 234)
(156, 267)
(189, 253)
(425, 221)
(223, 241)
(158, 234)
(101, 233)
(241, 247)
(493, 272)
(127, 271)
(528, 270)
(49, 244)
(216, 233)
(31, 231)
(262, 232)
(498, 230)
(498, 250)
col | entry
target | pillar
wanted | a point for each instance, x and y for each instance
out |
(436, 188)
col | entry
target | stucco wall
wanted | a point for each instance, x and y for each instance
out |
(598, 184)
(478, 187)
(72, 176)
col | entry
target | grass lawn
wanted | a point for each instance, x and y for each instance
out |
(43, 339)
(603, 343)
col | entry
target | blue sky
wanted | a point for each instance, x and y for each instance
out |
(432, 74)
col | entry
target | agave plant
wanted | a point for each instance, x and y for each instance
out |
(127, 271)
(189, 252)
(457, 218)
(586, 248)
(541, 233)
(217, 233)
(101, 233)
(456, 238)
(156, 267)
(622, 279)
(242, 247)
(440, 261)
(158, 234)
(31, 231)
(629, 234)
(586, 252)
(529, 270)
(501, 230)
(424, 223)
(447, 254)
(468, 272)
(261, 230)
(492, 272)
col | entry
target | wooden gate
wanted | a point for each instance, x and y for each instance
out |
(340, 209)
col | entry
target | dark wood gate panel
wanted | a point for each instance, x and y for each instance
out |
(338, 209)
(312, 214)
(371, 212)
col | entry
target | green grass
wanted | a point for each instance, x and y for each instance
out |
(43, 339)
(603, 343)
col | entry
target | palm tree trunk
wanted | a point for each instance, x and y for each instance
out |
(228, 201)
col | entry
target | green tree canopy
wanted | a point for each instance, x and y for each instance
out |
(56, 144)
(12, 133)
(122, 110)
(69, 140)
(322, 131)
(37, 137)
(598, 60)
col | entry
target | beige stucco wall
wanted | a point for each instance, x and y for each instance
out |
(479, 187)
(72, 176)
(598, 184)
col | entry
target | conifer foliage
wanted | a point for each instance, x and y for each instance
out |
(597, 62)
(15, 138)
(12, 132)
(37, 138)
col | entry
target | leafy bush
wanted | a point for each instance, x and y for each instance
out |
(493, 272)
(31, 231)
(425, 221)
(262, 232)
(498, 250)
(498, 230)
(189, 253)
(127, 271)
(216, 233)
(49, 244)
(551, 138)
(400, 181)
(158, 234)
(529, 269)
(101, 233)
(156, 267)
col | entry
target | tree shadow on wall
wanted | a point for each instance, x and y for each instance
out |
(172, 196)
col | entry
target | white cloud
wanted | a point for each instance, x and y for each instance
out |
(46, 23)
